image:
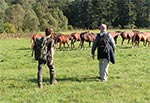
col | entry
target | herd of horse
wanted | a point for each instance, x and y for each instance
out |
(136, 37)
(70, 39)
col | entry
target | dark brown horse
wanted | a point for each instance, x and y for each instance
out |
(75, 38)
(86, 37)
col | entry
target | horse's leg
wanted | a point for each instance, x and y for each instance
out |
(72, 44)
(145, 43)
(81, 44)
(138, 43)
(64, 45)
(60, 45)
(122, 41)
(128, 40)
(134, 42)
(67, 45)
(148, 43)
(89, 43)
(83, 47)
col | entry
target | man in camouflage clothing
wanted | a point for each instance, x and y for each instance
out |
(49, 61)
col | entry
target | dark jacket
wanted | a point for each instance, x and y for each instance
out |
(110, 47)
(111, 56)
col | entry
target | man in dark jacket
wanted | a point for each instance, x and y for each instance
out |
(49, 61)
(104, 58)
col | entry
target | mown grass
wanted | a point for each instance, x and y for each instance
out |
(76, 73)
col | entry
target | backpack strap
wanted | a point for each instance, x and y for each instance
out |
(105, 36)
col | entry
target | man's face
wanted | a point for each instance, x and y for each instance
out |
(102, 27)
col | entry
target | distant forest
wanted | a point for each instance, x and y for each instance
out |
(36, 15)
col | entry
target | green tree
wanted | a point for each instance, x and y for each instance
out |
(26, 4)
(148, 12)
(62, 21)
(3, 5)
(72, 12)
(85, 14)
(102, 12)
(31, 21)
(127, 15)
(114, 16)
(9, 28)
(2, 21)
(78, 13)
(15, 16)
(142, 13)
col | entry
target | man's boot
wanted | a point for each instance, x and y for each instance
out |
(53, 81)
(40, 85)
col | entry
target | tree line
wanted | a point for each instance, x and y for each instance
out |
(36, 15)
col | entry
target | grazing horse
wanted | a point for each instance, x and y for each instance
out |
(140, 36)
(55, 37)
(126, 35)
(88, 37)
(75, 38)
(63, 39)
(115, 35)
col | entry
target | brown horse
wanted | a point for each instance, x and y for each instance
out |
(75, 38)
(115, 35)
(126, 35)
(141, 36)
(33, 40)
(35, 36)
(86, 37)
(63, 39)
(147, 34)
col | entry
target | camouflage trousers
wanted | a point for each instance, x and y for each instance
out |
(41, 65)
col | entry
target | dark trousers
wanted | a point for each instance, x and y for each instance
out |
(40, 72)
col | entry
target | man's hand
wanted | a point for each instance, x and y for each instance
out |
(51, 62)
(114, 50)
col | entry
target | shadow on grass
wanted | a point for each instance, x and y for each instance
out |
(75, 79)
(124, 47)
(67, 49)
(24, 49)
(34, 80)
(72, 79)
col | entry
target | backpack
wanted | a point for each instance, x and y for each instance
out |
(103, 43)
(41, 49)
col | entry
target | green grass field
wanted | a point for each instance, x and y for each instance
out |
(76, 73)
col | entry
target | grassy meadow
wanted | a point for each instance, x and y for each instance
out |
(76, 73)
